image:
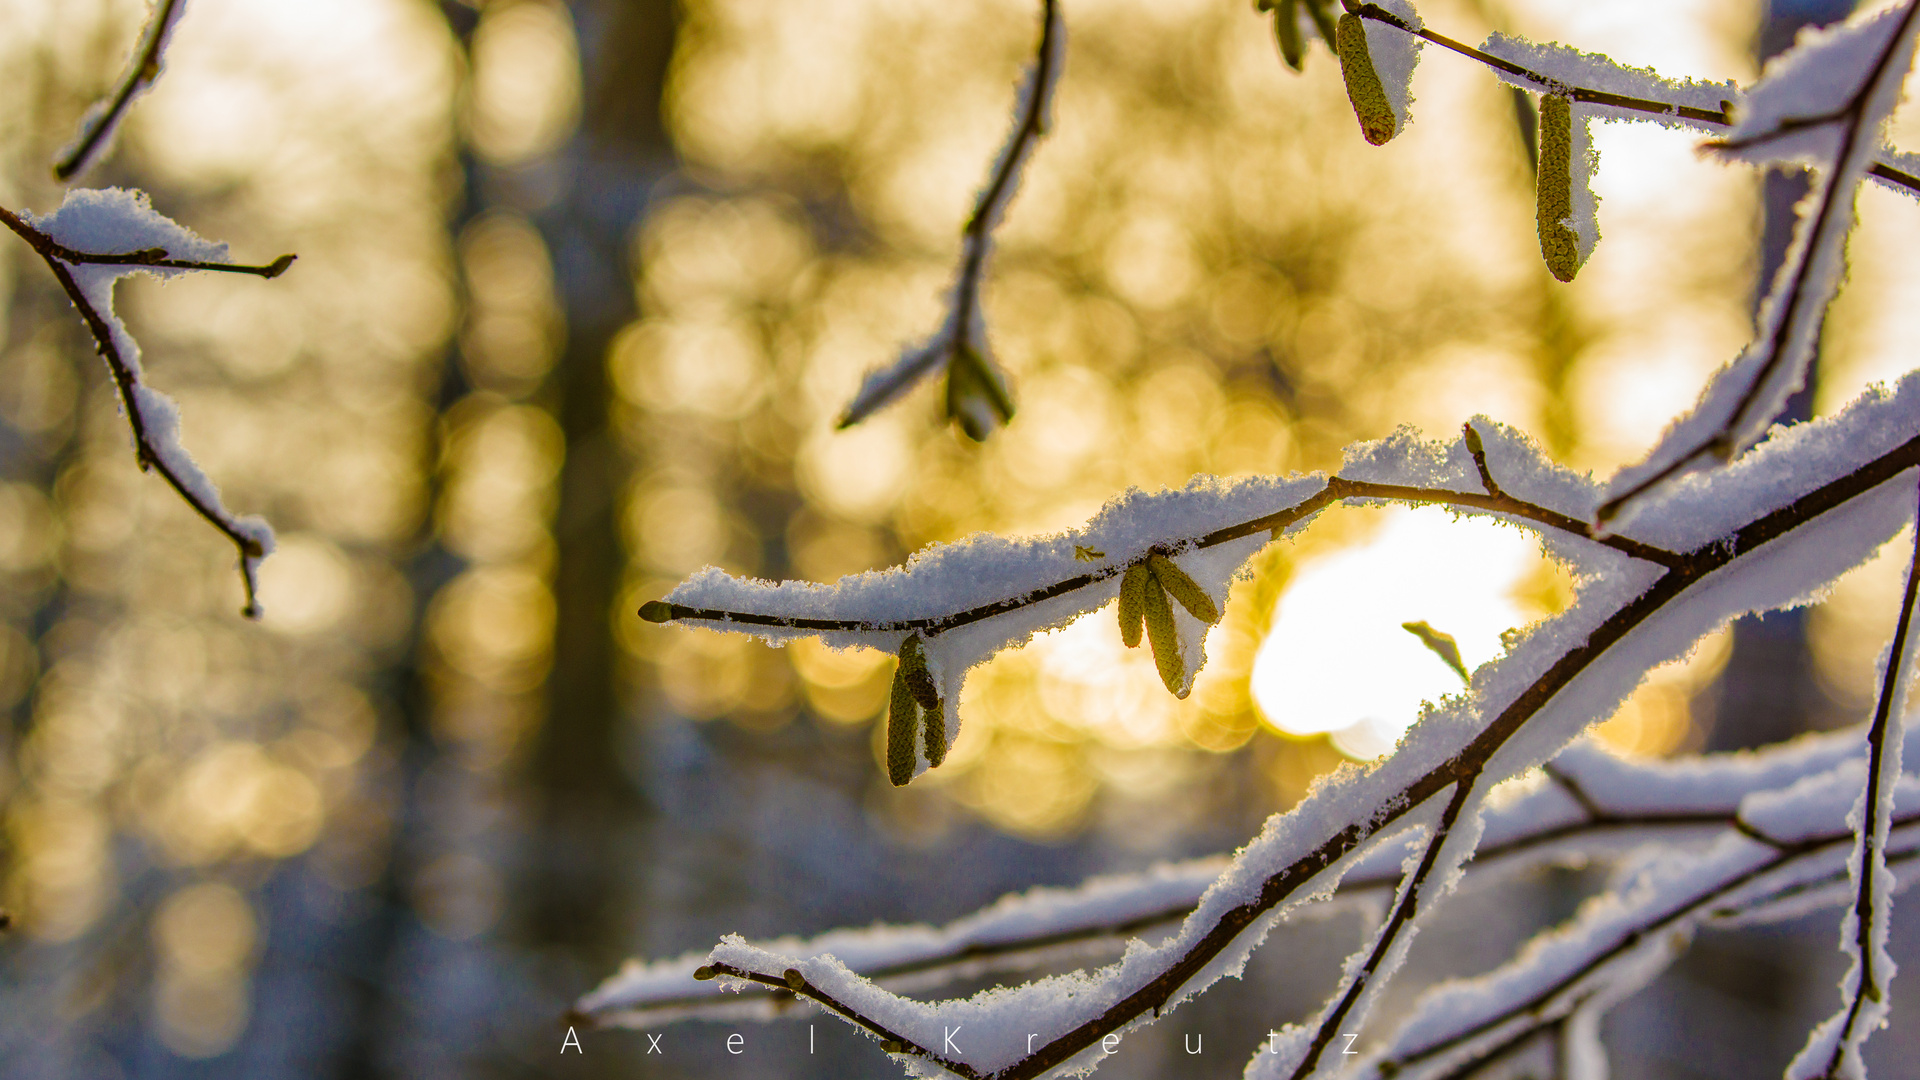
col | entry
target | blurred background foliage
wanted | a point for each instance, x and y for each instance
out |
(582, 288)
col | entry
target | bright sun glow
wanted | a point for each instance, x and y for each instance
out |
(1338, 660)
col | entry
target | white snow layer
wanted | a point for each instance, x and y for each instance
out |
(1395, 53)
(1834, 1047)
(1624, 937)
(1823, 72)
(1836, 84)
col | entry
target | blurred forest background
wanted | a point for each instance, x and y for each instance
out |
(582, 287)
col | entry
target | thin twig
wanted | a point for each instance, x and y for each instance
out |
(60, 259)
(1403, 915)
(1883, 748)
(1019, 953)
(143, 68)
(796, 983)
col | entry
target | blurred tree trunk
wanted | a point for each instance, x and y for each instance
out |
(621, 151)
(1767, 692)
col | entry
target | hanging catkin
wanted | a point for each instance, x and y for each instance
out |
(1133, 604)
(903, 722)
(1553, 196)
(1184, 589)
(1364, 88)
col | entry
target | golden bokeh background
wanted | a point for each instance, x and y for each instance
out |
(1205, 271)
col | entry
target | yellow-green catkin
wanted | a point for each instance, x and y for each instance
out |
(1184, 589)
(1553, 197)
(913, 662)
(903, 723)
(1133, 604)
(1364, 88)
(1164, 636)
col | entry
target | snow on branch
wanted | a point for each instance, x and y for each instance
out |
(1589, 805)
(977, 395)
(1768, 532)
(1834, 1047)
(95, 238)
(1624, 937)
(144, 65)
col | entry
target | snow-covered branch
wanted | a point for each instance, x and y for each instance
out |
(977, 395)
(143, 67)
(1803, 508)
(93, 240)
(1591, 806)
(1833, 1049)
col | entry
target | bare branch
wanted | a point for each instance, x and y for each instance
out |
(143, 67)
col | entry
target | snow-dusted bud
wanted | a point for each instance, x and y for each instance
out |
(977, 397)
(1377, 120)
(1553, 197)
(1184, 589)
(1133, 604)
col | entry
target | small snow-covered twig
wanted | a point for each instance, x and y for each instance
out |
(977, 396)
(1336, 489)
(114, 218)
(143, 67)
(1833, 1049)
